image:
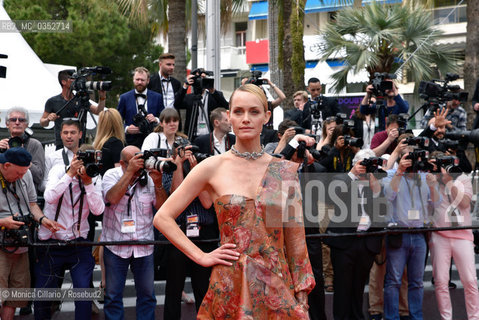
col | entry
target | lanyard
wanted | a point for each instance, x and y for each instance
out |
(412, 195)
(6, 189)
(165, 91)
(130, 196)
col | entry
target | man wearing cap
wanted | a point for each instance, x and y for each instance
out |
(18, 198)
(54, 105)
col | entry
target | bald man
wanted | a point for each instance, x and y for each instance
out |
(129, 216)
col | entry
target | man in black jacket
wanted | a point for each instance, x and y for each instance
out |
(162, 82)
(220, 140)
(199, 105)
(352, 257)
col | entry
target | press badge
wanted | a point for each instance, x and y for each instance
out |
(413, 215)
(364, 223)
(128, 226)
(192, 226)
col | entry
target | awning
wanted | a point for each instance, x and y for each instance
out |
(260, 67)
(313, 6)
(259, 11)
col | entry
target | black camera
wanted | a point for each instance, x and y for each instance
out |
(435, 93)
(382, 82)
(299, 130)
(372, 164)
(200, 83)
(420, 142)
(180, 145)
(464, 136)
(154, 159)
(301, 152)
(81, 85)
(142, 123)
(419, 161)
(340, 118)
(449, 163)
(353, 142)
(450, 144)
(18, 237)
(18, 141)
(256, 78)
(91, 161)
(316, 106)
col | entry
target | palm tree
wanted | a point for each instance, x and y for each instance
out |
(379, 38)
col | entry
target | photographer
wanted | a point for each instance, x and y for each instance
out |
(394, 104)
(340, 157)
(17, 124)
(296, 114)
(71, 195)
(454, 210)
(436, 132)
(140, 108)
(353, 257)
(198, 221)
(384, 142)
(409, 192)
(199, 104)
(56, 103)
(319, 106)
(286, 132)
(129, 216)
(18, 209)
(456, 115)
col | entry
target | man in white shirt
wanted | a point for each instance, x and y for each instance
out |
(129, 216)
(70, 196)
(70, 134)
(220, 140)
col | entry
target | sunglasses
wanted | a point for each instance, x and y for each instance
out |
(17, 119)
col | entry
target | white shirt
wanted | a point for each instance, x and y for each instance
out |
(52, 159)
(58, 185)
(151, 142)
(168, 93)
(219, 144)
(141, 211)
(202, 126)
(368, 133)
(140, 100)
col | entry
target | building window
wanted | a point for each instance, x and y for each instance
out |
(240, 30)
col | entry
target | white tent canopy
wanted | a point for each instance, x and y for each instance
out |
(29, 83)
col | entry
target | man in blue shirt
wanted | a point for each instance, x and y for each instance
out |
(393, 104)
(408, 194)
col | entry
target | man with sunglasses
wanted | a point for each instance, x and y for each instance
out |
(55, 104)
(17, 124)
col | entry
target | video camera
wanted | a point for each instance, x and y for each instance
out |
(180, 145)
(256, 78)
(435, 93)
(200, 83)
(317, 105)
(83, 87)
(402, 121)
(372, 164)
(91, 161)
(18, 237)
(382, 82)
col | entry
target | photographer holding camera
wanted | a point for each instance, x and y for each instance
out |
(456, 115)
(21, 136)
(54, 107)
(318, 107)
(344, 147)
(129, 216)
(353, 257)
(18, 213)
(71, 194)
(373, 102)
(384, 142)
(454, 210)
(409, 190)
(140, 108)
(199, 104)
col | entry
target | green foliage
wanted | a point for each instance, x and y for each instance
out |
(380, 38)
(101, 36)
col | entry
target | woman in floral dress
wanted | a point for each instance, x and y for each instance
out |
(262, 269)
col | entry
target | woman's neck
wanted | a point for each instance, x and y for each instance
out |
(252, 145)
(170, 138)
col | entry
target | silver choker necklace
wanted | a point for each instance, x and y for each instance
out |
(247, 155)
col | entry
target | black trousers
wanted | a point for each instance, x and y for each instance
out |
(179, 266)
(316, 297)
(351, 268)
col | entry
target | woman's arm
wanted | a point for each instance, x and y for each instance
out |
(196, 181)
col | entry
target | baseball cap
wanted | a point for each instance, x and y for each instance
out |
(18, 156)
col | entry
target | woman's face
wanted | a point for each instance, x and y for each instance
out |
(247, 115)
(330, 128)
(170, 127)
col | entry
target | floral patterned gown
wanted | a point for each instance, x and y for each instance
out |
(274, 264)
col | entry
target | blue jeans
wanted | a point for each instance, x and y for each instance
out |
(116, 269)
(50, 268)
(413, 254)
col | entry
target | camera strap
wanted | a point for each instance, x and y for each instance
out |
(6, 189)
(130, 196)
